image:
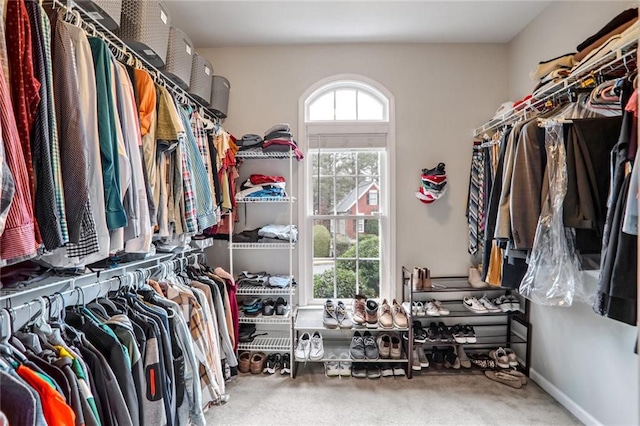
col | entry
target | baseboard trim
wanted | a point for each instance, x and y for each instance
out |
(564, 399)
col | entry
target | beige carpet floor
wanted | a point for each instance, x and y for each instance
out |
(313, 399)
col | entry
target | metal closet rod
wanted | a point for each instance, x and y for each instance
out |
(93, 26)
(621, 60)
(8, 315)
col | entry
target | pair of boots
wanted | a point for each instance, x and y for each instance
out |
(420, 279)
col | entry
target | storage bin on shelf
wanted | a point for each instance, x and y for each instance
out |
(201, 79)
(220, 89)
(106, 12)
(179, 58)
(145, 27)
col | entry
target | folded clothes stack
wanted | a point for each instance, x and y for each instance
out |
(262, 186)
(268, 234)
(263, 279)
(434, 182)
(249, 141)
(280, 139)
(547, 73)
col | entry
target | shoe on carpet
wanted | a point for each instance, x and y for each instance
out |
(303, 348)
(373, 371)
(272, 364)
(329, 319)
(332, 367)
(286, 364)
(415, 360)
(316, 352)
(513, 358)
(385, 317)
(422, 358)
(472, 304)
(400, 319)
(384, 345)
(500, 357)
(244, 362)
(371, 310)
(359, 314)
(462, 356)
(475, 279)
(370, 348)
(356, 349)
(518, 374)
(344, 321)
(257, 362)
(505, 379)
(359, 370)
(398, 370)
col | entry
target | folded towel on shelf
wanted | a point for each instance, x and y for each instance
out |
(546, 67)
(281, 232)
(249, 141)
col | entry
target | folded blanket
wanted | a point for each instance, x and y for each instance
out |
(619, 20)
(281, 127)
(602, 40)
(546, 67)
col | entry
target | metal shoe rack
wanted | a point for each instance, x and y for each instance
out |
(506, 329)
(277, 327)
(336, 341)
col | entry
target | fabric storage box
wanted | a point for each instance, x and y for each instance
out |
(201, 79)
(220, 89)
(106, 12)
(145, 28)
(179, 58)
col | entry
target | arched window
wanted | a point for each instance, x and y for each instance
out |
(347, 130)
(346, 101)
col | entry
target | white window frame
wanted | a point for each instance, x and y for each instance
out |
(377, 194)
(358, 86)
(388, 255)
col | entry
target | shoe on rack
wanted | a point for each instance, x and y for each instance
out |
(344, 321)
(513, 358)
(398, 369)
(272, 364)
(386, 370)
(457, 331)
(400, 319)
(445, 333)
(442, 310)
(437, 357)
(407, 308)
(303, 348)
(345, 365)
(431, 310)
(475, 279)
(500, 357)
(503, 302)
(518, 374)
(359, 315)
(419, 333)
(515, 302)
(317, 347)
(286, 364)
(470, 334)
(416, 279)
(371, 310)
(332, 367)
(257, 362)
(396, 347)
(385, 317)
(462, 356)
(505, 379)
(356, 349)
(370, 347)
(329, 319)
(281, 306)
(415, 360)
(422, 358)
(384, 345)
(244, 362)
(451, 359)
(268, 307)
(373, 371)
(359, 370)
(418, 309)
(472, 304)
(426, 278)
(433, 333)
(488, 305)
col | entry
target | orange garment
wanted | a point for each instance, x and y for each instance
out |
(55, 409)
(494, 273)
(146, 91)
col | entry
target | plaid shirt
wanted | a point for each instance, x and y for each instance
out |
(202, 140)
(189, 194)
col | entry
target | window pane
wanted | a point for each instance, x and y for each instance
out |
(346, 279)
(368, 163)
(346, 105)
(323, 195)
(346, 163)
(369, 108)
(323, 279)
(346, 195)
(369, 241)
(345, 238)
(322, 108)
(322, 239)
(369, 278)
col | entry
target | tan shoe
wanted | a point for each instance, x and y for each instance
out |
(475, 279)
(426, 278)
(416, 279)
(244, 362)
(359, 314)
(257, 362)
(505, 379)
(385, 317)
(396, 347)
(518, 374)
(400, 319)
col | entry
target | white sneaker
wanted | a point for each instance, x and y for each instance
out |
(441, 308)
(345, 365)
(503, 302)
(432, 310)
(316, 352)
(407, 308)
(513, 358)
(304, 346)
(398, 370)
(332, 368)
(415, 361)
(515, 302)
(484, 301)
(418, 309)
(472, 304)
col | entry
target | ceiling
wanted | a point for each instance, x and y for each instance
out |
(215, 23)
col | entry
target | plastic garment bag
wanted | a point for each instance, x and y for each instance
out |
(553, 277)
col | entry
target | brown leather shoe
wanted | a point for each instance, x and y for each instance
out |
(359, 314)
(244, 362)
(400, 319)
(257, 362)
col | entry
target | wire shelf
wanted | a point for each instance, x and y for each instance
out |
(261, 319)
(258, 153)
(275, 342)
(257, 246)
(257, 200)
(259, 290)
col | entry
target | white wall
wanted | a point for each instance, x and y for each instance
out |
(584, 360)
(441, 92)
